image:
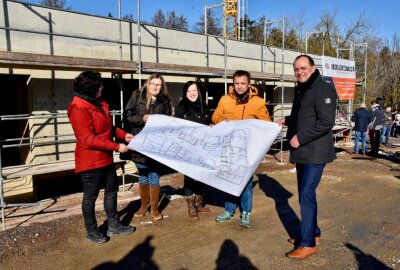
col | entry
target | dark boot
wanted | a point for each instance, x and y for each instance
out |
(95, 236)
(93, 233)
(154, 197)
(144, 200)
(200, 204)
(116, 228)
(192, 207)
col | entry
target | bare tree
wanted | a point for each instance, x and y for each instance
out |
(171, 20)
(158, 18)
(213, 24)
(256, 30)
(55, 3)
(176, 22)
(386, 74)
(128, 17)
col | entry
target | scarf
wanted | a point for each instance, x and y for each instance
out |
(241, 98)
(306, 85)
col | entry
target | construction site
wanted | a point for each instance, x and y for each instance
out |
(43, 49)
(39, 61)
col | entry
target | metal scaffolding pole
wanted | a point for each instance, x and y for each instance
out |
(282, 21)
(139, 45)
(121, 92)
(225, 50)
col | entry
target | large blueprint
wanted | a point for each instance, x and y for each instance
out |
(224, 156)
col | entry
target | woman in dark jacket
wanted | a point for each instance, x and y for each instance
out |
(92, 124)
(193, 108)
(153, 98)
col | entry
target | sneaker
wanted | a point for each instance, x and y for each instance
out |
(245, 219)
(225, 216)
(119, 230)
(96, 237)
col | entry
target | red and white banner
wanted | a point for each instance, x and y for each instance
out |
(343, 74)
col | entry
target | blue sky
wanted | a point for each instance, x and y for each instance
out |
(384, 14)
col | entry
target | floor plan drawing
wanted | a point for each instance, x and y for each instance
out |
(218, 156)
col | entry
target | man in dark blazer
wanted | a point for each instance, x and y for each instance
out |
(310, 135)
(361, 119)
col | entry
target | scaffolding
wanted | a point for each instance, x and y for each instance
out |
(35, 61)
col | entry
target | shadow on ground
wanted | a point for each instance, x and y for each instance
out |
(273, 189)
(138, 258)
(230, 258)
(366, 261)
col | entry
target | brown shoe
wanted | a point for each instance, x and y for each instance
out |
(192, 211)
(302, 252)
(296, 240)
(200, 204)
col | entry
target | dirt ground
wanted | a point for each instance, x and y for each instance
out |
(358, 213)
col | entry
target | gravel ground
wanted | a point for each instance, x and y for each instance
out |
(358, 213)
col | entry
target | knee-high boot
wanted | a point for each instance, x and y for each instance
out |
(154, 197)
(144, 190)
(200, 204)
(192, 211)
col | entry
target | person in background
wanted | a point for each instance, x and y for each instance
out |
(241, 102)
(387, 125)
(92, 124)
(193, 108)
(310, 136)
(396, 126)
(361, 118)
(375, 127)
(152, 98)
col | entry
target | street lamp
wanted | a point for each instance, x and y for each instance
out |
(364, 44)
(282, 69)
(205, 13)
(222, 4)
(323, 40)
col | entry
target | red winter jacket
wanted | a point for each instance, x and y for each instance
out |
(93, 131)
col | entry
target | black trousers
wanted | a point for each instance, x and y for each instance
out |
(93, 181)
(374, 136)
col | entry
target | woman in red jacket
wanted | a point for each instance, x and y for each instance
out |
(92, 124)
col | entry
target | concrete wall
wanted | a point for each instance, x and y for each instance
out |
(77, 34)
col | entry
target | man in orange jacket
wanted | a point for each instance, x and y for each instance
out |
(242, 102)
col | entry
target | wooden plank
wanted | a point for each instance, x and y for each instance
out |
(44, 168)
(37, 169)
(174, 69)
(53, 62)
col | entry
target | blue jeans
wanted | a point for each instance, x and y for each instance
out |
(363, 135)
(385, 133)
(92, 181)
(149, 172)
(308, 178)
(246, 199)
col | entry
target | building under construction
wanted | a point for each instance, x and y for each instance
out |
(43, 49)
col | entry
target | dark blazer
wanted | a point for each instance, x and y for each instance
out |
(361, 118)
(312, 119)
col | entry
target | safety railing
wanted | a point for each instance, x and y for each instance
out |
(34, 168)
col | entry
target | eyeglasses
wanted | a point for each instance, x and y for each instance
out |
(156, 85)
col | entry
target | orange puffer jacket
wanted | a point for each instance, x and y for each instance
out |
(228, 109)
